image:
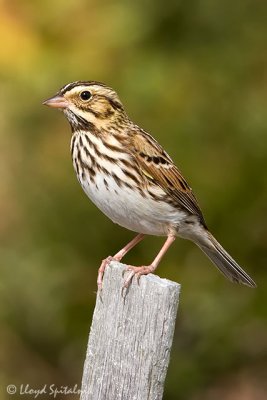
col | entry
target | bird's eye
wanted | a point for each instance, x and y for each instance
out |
(85, 95)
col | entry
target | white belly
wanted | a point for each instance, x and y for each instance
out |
(130, 210)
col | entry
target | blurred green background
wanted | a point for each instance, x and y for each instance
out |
(194, 74)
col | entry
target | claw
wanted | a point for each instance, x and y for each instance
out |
(138, 276)
(138, 272)
(124, 272)
(101, 271)
(129, 279)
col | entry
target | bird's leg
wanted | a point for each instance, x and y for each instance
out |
(128, 247)
(144, 270)
(117, 257)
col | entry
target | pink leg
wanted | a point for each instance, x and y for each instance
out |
(139, 271)
(118, 256)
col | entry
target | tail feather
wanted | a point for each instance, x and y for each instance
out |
(224, 262)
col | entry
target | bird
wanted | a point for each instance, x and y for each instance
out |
(130, 177)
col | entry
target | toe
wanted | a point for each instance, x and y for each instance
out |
(128, 280)
(136, 271)
(101, 271)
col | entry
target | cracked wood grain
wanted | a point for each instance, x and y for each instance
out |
(130, 338)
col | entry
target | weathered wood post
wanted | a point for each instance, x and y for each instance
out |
(130, 338)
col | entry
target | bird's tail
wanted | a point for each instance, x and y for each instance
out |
(223, 261)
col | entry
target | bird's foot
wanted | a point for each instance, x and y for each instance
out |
(101, 270)
(138, 272)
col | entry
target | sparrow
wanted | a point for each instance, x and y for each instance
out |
(130, 177)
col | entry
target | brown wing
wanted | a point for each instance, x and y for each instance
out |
(159, 168)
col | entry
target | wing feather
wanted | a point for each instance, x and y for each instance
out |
(158, 167)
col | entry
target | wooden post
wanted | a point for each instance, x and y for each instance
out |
(130, 338)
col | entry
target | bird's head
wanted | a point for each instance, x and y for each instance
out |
(88, 105)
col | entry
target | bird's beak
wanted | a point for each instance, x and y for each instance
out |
(56, 102)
